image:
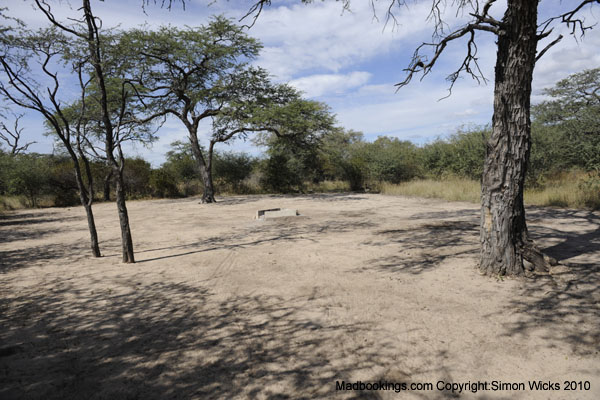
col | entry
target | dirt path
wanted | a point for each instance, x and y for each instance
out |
(359, 288)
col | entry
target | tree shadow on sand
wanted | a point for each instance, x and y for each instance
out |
(281, 230)
(424, 247)
(564, 306)
(571, 244)
(25, 257)
(24, 226)
(171, 341)
(566, 309)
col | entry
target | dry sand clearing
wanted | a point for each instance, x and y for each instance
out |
(221, 306)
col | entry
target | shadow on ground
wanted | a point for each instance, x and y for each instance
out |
(424, 247)
(23, 226)
(288, 230)
(26, 257)
(571, 244)
(27, 226)
(564, 307)
(567, 303)
(169, 341)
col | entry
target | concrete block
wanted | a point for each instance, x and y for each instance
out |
(276, 213)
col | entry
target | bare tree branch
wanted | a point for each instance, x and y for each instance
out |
(47, 10)
(12, 136)
(569, 18)
(545, 49)
(470, 65)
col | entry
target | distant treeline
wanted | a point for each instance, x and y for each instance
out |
(565, 138)
(288, 167)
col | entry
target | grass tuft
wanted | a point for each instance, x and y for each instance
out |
(8, 203)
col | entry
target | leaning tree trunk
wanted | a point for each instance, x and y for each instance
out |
(85, 195)
(86, 201)
(87, 198)
(126, 239)
(92, 229)
(504, 239)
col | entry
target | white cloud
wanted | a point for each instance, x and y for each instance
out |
(415, 112)
(330, 84)
(567, 57)
(303, 38)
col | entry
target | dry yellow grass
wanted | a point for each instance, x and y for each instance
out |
(569, 190)
(12, 203)
(452, 189)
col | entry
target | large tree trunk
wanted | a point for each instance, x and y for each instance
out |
(208, 196)
(504, 239)
(126, 239)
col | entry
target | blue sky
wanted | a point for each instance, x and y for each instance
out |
(347, 59)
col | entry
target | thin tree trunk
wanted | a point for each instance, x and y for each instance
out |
(109, 140)
(87, 197)
(126, 239)
(93, 233)
(504, 239)
(85, 194)
(107, 180)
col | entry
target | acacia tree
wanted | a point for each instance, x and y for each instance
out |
(87, 30)
(574, 109)
(40, 90)
(191, 74)
(274, 113)
(202, 73)
(505, 242)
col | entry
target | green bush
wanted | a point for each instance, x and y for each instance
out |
(29, 175)
(163, 183)
(230, 170)
(462, 154)
(136, 175)
(282, 173)
(62, 183)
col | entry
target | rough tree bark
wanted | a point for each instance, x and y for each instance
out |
(504, 239)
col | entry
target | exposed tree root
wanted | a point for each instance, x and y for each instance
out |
(207, 200)
(534, 259)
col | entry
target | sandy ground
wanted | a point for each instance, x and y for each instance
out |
(359, 288)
